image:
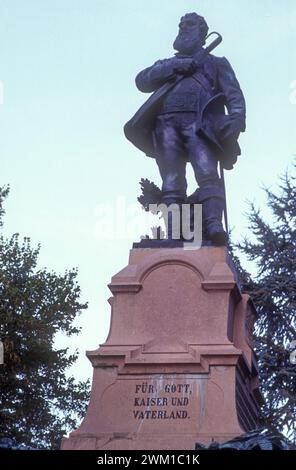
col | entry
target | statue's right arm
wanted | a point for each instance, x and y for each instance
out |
(154, 77)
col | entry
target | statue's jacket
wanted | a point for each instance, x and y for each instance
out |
(221, 100)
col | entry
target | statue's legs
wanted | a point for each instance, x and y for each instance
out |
(172, 160)
(177, 140)
(211, 195)
(172, 166)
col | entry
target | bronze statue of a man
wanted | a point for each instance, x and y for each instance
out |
(196, 114)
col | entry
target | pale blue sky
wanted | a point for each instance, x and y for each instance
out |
(68, 71)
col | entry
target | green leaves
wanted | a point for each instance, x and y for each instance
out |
(40, 403)
(3, 195)
(273, 249)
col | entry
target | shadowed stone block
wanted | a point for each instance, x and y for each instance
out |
(177, 367)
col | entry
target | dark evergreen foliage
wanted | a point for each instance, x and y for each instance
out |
(273, 250)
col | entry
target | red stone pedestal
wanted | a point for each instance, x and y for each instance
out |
(177, 367)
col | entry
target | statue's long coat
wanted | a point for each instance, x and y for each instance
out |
(221, 92)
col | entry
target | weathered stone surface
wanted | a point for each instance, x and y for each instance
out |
(177, 367)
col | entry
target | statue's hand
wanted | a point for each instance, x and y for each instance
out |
(185, 66)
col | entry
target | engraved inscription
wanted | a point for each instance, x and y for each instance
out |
(162, 401)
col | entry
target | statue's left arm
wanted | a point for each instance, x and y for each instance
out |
(235, 101)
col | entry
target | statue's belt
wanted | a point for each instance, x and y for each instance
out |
(186, 101)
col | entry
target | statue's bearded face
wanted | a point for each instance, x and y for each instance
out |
(189, 38)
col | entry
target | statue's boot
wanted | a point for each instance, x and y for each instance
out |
(212, 218)
(173, 223)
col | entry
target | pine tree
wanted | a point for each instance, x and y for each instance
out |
(39, 401)
(273, 249)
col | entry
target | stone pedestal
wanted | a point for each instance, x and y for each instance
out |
(177, 367)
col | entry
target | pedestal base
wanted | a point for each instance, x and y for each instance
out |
(177, 367)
